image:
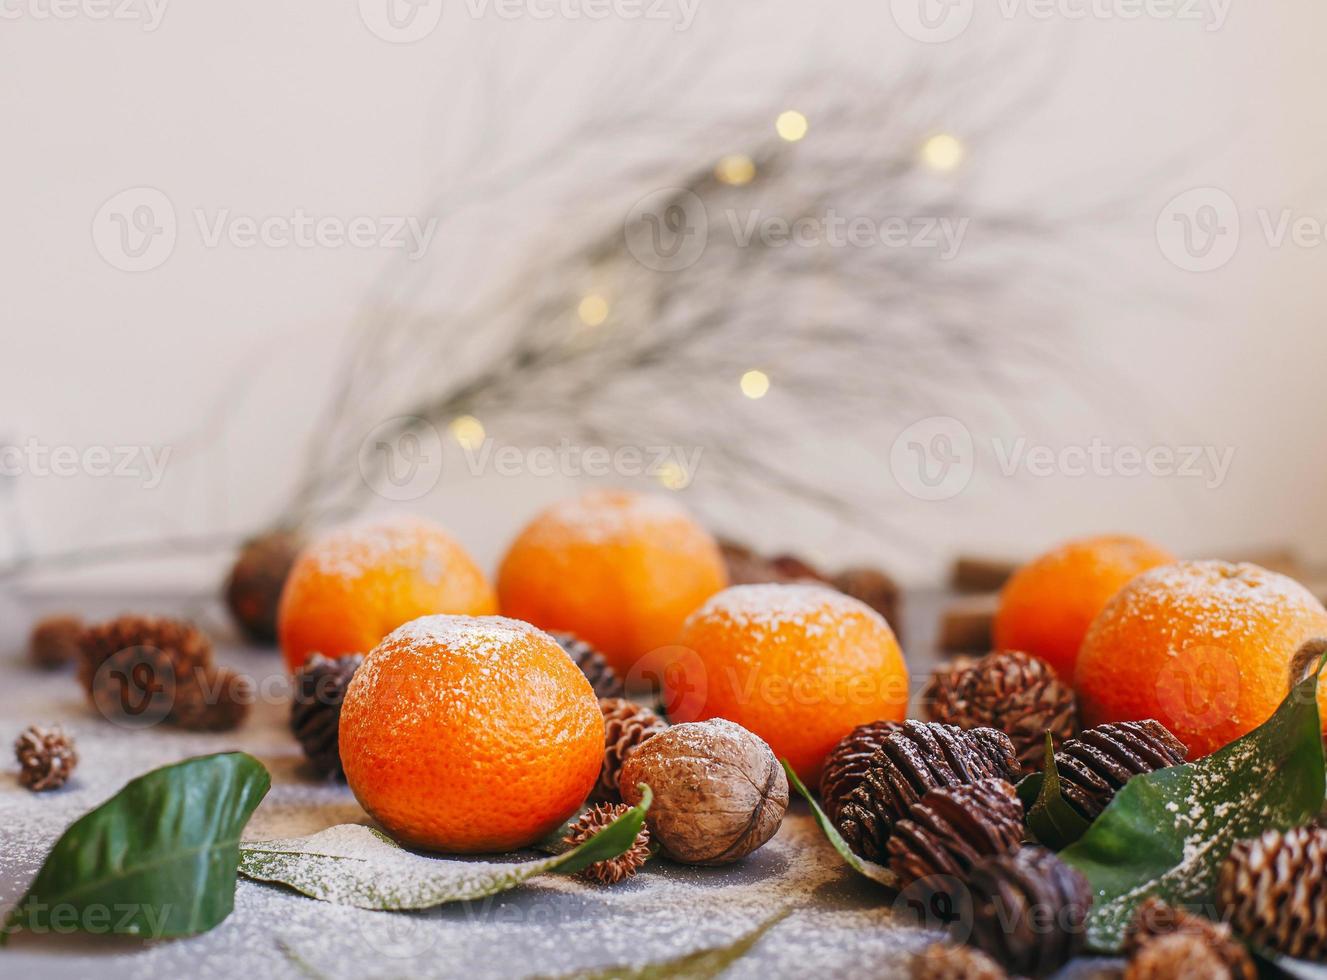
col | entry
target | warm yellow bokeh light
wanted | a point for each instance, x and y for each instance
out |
(468, 431)
(735, 169)
(673, 476)
(943, 151)
(593, 310)
(791, 125)
(755, 384)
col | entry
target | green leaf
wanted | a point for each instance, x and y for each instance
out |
(876, 872)
(355, 865)
(1167, 832)
(157, 859)
(1050, 819)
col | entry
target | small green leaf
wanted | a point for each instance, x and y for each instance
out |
(876, 872)
(1051, 820)
(1167, 832)
(157, 859)
(355, 865)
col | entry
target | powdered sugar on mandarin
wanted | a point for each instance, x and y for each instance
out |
(351, 550)
(609, 515)
(763, 610)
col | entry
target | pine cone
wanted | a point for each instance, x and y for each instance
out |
(944, 961)
(626, 864)
(1028, 910)
(626, 726)
(920, 757)
(254, 586)
(1156, 920)
(949, 829)
(845, 766)
(184, 645)
(1009, 691)
(873, 587)
(211, 699)
(46, 757)
(135, 687)
(55, 641)
(1179, 956)
(315, 709)
(1095, 766)
(1273, 891)
(601, 676)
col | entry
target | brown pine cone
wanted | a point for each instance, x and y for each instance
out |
(1095, 766)
(613, 870)
(949, 829)
(253, 588)
(845, 766)
(1029, 910)
(1009, 691)
(1179, 956)
(626, 726)
(920, 757)
(46, 757)
(1273, 891)
(601, 676)
(315, 709)
(184, 645)
(944, 961)
(55, 641)
(1156, 920)
(873, 587)
(211, 699)
(135, 687)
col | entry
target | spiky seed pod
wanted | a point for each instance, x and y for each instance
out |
(211, 699)
(1009, 691)
(1156, 920)
(949, 829)
(1095, 766)
(845, 766)
(1179, 956)
(55, 641)
(626, 726)
(46, 757)
(613, 870)
(1029, 910)
(315, 709)
(184, 645)
(253, 589)
(945, 961)
(601, 676)
(920, 757)
(1273, 891)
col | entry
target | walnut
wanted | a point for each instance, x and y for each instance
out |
(719, 793)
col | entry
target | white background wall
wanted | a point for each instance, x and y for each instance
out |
(263, 106)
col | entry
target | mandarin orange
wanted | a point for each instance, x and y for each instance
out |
(470, 734)
(798, 665)
(621, 570)
(353, 585)
(1205, 647)
(1048, 604)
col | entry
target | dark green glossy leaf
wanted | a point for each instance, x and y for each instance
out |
(157, 859)
(876, 872)
(1050, 818)
(1167, 832)
(355, 865)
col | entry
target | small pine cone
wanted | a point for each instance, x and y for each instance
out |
(315, 709)
(944, 961)
(1179, 956)
(872, 587)
(211, 699)
(1273, 891)
(1009, 691)
(184, 644)
(949, 829)
(1095, 766)
(1029, 910)
(1155, 920)
(626, 726)
(135, 687)
(253, 588)
(601, 676)
(46, 757)
(845, 766)
(55, 641)
(920, 757)
(613, 870)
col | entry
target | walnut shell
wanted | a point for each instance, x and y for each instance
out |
(719, 793)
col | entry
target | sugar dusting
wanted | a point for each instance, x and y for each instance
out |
(762, 610)
(349, 550)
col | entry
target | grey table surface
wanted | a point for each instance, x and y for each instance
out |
(841, 925)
